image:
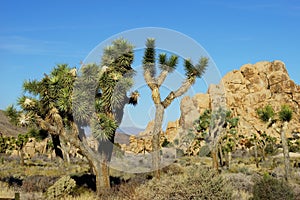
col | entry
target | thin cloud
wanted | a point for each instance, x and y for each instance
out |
(39, 29)
(28, 46)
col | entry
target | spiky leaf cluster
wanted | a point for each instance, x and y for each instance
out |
(195, 71)
(102, 127)
(168, 64)
(285, 114)
(119, 55)
(84, 93)
(41, 97)
(266, 113)
(12, 113)
(101, 91)
(149, 57)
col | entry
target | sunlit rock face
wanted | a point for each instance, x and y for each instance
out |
(242, 91)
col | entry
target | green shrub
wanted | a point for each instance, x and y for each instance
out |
(61, 188)
(269, 188)
(165, 143)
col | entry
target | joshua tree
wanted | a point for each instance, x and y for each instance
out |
(227, 135)
(110, 84)
(20, 142)
(63, 102)
(253, 141)
(267, 114)
(166, 65)
(285, 116)
(230, 138)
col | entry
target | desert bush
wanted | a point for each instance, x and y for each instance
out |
(296, 189)
(61, 188)
(269, 188)
(241, 195)
(197, 183)
(240, 181)
(37, 183)
(173, 169)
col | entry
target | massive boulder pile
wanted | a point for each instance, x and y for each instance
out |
(243, 92)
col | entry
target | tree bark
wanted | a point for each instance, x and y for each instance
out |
(100, 187)
(263, 153)
(21, 153)
(227, 158)
(105, 172)
(214, 157)
(77, 138)
(56, 145)
(285, 150)
(255, 154)
(221, 155)
(159, 114)
(65, 151)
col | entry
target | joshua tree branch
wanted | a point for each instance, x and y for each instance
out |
(149, 79)
(180, 91)
(47, 126)
(161, 78)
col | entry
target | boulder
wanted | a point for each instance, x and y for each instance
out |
(242, 91)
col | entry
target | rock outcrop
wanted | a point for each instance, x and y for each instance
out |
(243, 92)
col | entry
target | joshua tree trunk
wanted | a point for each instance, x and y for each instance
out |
(21, 153)
(159, 114)
(255, 154)
(105, 172)
(214, 157)
(263, 153)
(221, 155)
(285, 150)
(65, 151)
(77, 138)
(99, 181)
(56, 144)
(227, 158)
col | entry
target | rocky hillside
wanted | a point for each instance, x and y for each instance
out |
(242, 91)
(7, 128)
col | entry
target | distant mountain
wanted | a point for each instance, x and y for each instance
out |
(122, 138)
(129, 130)
(7, 128)
(123, 134)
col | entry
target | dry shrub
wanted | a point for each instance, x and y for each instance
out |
(241, 195)
(240, 181)
(37, 183)
(173, 169)
(269, 188)
(197, 183)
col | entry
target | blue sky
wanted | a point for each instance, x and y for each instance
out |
(37, 35)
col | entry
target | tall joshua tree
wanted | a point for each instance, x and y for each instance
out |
(154, 82)
(105, 112)
(285, 115)
(64, 101)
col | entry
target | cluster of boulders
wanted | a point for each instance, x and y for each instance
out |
(242, 92)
